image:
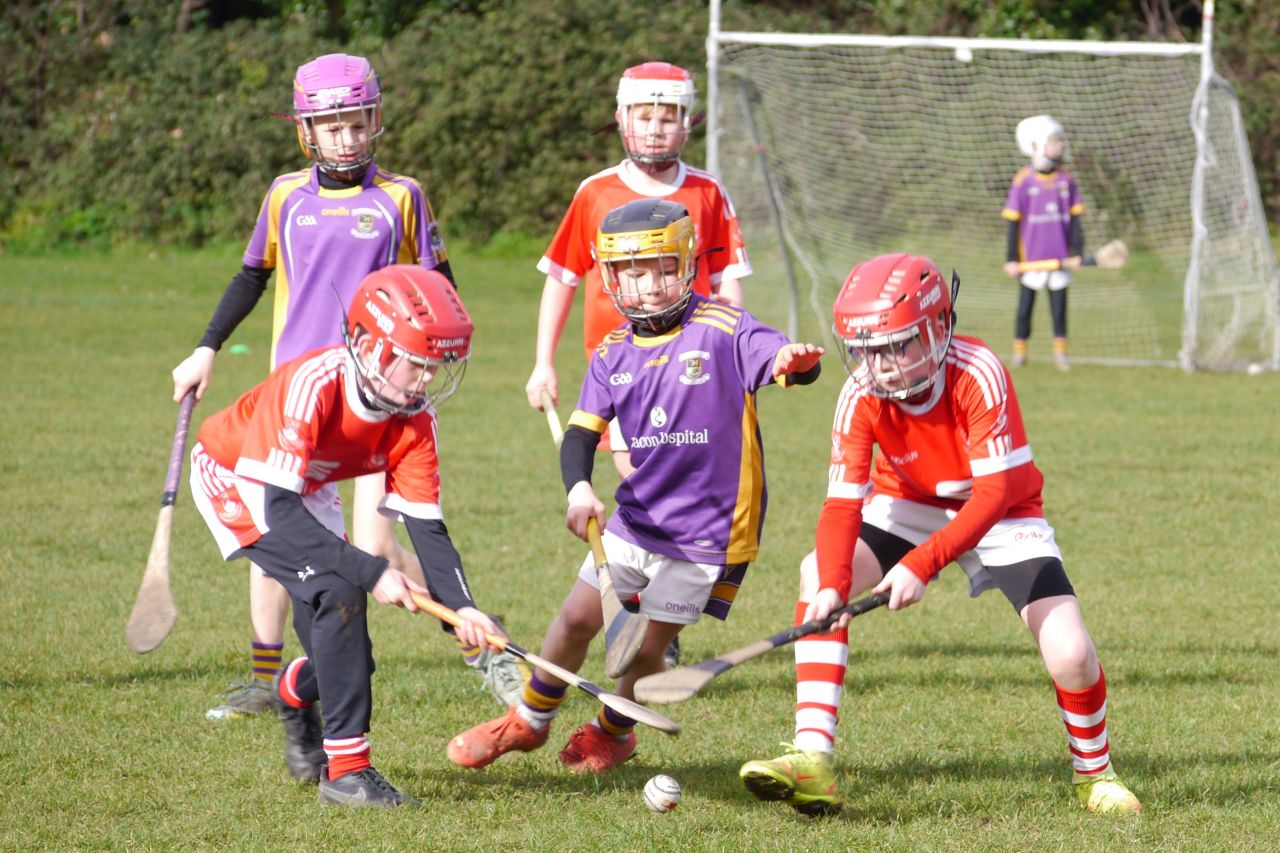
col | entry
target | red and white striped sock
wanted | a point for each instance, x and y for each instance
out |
(1085, 714)
(821, 660)
(346, 754)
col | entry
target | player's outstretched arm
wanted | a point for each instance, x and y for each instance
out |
(797, 364)
(553, 312)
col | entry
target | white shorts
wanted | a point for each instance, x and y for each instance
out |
(233, 507)
(1037, 279)
(1009, 541)
(673, 590)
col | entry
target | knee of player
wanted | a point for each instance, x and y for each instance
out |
(809, 576)
(1071, 658)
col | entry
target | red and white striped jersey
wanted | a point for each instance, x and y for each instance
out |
(305, 425)
(931, 452)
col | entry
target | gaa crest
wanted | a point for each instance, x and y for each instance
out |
(695, 367)
(366, 223)
(229, 508)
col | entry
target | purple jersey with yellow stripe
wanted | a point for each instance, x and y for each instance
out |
(319, 240)
(1042, 203)
(686, 403)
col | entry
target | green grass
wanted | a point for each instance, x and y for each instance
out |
(1161, 486)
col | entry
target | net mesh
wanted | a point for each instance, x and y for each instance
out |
(872, 149)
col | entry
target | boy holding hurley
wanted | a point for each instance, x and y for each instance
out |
(681, 378)
(264, 474)
(953, 480)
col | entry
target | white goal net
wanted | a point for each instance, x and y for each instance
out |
(838, 148)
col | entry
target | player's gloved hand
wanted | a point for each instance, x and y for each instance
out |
(583, 504)
(543, 376)
(393, 588)
(796, 358)
(904, 588)
(193, 372)
(475, 626)
(1011, 269)
(822, 604)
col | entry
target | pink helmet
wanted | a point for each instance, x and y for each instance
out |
(333, 87)
(654, 83)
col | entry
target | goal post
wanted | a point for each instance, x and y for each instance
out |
(836, 148)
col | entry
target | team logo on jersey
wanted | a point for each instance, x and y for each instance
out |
(694, 367)
(290, 435)
(229, 509)
(620, 379)
(658, 417)
(366, 223)
(377, 462)
(306, 219)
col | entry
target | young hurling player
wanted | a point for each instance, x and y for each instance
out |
(1043, 211)
(654, 116)
(324, 228)
(953, 480)
(655, 104)
(264, 473)
(681, 378)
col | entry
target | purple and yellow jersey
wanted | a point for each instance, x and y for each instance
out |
(686, 403)
(1042, 203)
(323, 242)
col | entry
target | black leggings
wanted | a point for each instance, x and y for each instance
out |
(1027, 301)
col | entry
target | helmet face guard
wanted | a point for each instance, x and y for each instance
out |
(653, 85)
(338, 97)
(409, 338)
(894, 319)
(647, 230)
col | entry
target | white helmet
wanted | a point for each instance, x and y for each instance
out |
(654, 83)
(1033, 136)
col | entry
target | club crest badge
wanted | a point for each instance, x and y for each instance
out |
(366, 223)
(229, 509)
(290, 436)
(695, 367)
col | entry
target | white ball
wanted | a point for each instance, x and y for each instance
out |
(662, 793)
(1254, 369)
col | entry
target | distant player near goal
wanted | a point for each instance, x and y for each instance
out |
(953, 480)
(324, 228)
(681, 378)
(1043, 211)
(264, 474)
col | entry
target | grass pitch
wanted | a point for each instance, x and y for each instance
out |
(1161, 486)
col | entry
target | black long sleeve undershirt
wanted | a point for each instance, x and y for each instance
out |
(440, 562)
(288, 519)
(577, 455)
(240, 297)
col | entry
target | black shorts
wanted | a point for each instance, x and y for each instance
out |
(1021, 583)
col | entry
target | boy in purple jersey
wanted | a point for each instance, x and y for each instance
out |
(1043, 211)
(325, 228)
(681, 379)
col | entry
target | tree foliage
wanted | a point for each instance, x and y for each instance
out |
(152, 120)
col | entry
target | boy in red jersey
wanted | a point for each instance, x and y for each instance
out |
(264, 474)
(323, 229)
(953, 480)
(654, 116)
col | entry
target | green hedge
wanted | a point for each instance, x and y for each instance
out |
(116, 127)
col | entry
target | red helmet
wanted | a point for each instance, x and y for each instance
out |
(894, 316)
(416, 328)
